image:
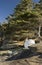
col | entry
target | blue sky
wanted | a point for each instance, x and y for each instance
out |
(6, 8)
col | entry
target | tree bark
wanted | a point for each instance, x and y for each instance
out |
(39, 31)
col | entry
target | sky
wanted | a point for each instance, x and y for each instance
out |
(6, 8)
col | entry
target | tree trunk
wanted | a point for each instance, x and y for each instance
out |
(39, 31)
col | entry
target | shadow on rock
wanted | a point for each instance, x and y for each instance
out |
(23, 54)
(40, 55)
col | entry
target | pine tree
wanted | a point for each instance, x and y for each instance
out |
(38, 8)
(24, 6)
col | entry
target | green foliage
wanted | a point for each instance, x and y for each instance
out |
(26, 17)
(24, 6)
